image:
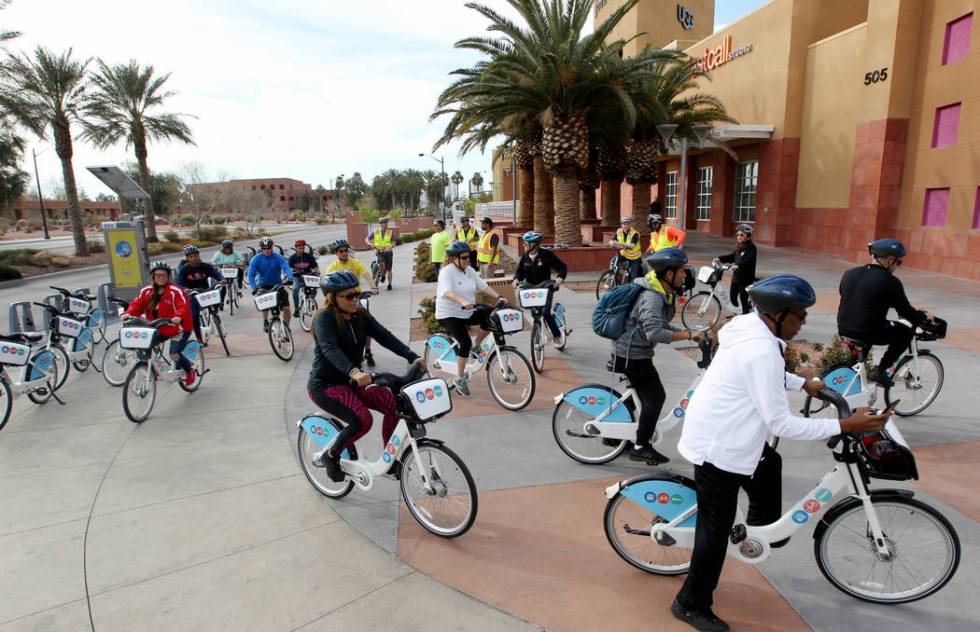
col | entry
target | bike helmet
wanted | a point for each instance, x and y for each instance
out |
(532, 237)
(383, 220)
(667, 259)
(300, 243)
(338, 281)
(487, 220)
(339, 244)
(227, 244)
(625, 220)
(655, 220)
(265, 242)
(161, 265)
(781, 292)
(191, 249)
(744, 228)
(457, 248)
(886, 248)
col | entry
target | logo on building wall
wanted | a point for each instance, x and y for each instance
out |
(685, 17)
(721, 55)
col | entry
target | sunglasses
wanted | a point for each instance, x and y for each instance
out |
(463, 257)
(342, 252)
(269, 248)
(801, 316)
(350, 296)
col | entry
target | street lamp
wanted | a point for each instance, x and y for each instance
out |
(442, 172)
(40, 198)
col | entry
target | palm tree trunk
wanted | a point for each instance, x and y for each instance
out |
(149, 212)
(567, 229)
(63, 147)
(525, 182)
(543, 198)
(610, 202)
(641, 206)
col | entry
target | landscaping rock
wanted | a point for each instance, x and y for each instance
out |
(60, 262)
(41, 259)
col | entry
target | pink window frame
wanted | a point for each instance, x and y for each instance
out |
(932, 216)
(955, 50)
(946, 125)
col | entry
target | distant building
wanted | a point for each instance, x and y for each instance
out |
(503, 174)
(109, 210)
(287, 193)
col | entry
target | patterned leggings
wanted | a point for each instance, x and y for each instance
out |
(352, 407)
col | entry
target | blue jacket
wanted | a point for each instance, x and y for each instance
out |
(269, 269)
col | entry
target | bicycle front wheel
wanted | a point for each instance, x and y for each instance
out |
(281, 340)
(628, 527)
(917, 384)
(62, 363)
(139, 392)
(606, 282)
(306, 314)
(438, 490)
(205, 326)
(6, 403)
(924, 547)
(510, 378)
(537, 347)
(568, 427)
(220, 327)
(116, 363)
(701, 311)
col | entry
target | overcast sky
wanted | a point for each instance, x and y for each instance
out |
(307, 89)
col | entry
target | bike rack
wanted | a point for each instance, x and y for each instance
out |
(110, 315)
(54, 300)
(20, 317)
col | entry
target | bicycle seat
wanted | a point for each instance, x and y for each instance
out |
(398, 382)
(119, 301)
(858, 348)
(23, 337)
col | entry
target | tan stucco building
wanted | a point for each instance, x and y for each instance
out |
(857, 119)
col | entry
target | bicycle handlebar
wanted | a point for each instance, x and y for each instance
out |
(136, 321)
(397, 382)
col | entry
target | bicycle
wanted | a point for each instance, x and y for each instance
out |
(307, 306)
(593, 423)
(437, 486)
(918, 376)
(865, 545)
(80, 304)
(535, 298)
(280, 338)
(616, 275)
(209, 302)
(229, 289)
(703, 310)
(117, 361)
(509, 374)
(37, 378)
(378, 270)
(66, 330)
(152, 364)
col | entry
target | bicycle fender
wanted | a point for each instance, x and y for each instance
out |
(666, 494)
(439, 344)
(595, 399)
(846, 504)
(191, 349)
(321, 431)
(839, 376)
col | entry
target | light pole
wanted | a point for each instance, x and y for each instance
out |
(442, 174)
(40, 198)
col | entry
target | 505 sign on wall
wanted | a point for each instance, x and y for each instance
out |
(875, 76)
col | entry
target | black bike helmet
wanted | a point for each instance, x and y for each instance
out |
(338, 281)
(338, 244)
(667, 259)
(161, 265)
(265, 242)
(781, 292)
(227, 244)
(191, 249)
(744, 228)
(886, 248)
(655, 220)
(457, 248)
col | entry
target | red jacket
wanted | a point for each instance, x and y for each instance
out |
(172, 303)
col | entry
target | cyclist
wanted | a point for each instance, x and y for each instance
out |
(488, 249)
(196, 275)
(627, 242)
(346, 262)
(337, 384)
(866, 295)
(265, 271)
(469, 236)
(743, 267)
(302, 262)
(741, 399)
(456, 308)
(664, 236)
(382, 241)
(647, 325)
(165, 299)
(535, 267)
(226, 257)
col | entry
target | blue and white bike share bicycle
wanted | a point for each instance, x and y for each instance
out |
(24, 370)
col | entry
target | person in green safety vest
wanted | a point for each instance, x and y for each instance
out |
(468, 235)
(438, 242)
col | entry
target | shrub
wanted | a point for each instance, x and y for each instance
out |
(323, 250)
(322, 219)
(792, 357)
(426, 272)
(171, 235)
(8, 273)
(427, 309)
(17, 256)
(212, 233)
(817, 346)
(836, 353)
(804, 358)
(96, 247)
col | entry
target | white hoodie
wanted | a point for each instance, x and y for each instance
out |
(742, 398)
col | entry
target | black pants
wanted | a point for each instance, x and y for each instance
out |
(737, 293)
(717, 504)
(458, 328)
(896, 335)
(649, 389)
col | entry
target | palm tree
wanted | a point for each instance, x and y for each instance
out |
(46, 91)
(458, 180)
(118, 109)
(476, 182)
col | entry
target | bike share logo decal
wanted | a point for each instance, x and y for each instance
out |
(317, 430)
(663, 498)
(123, 249)
(592, 400)
(799, 517)
(678, 412)
(650, 497)
(677, 499)
(838, 380)
(420, 397)
(823, 495)
(430, 394)
(437, 344)
(811, 506)
(438, 391)
(690, 394)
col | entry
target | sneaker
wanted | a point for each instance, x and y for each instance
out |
(389, 287)
(331, 464)
(462, 387)
(369, 358)
(190, 377)
(702, 620)
(880, 377)
(648, 454)
(265, 326)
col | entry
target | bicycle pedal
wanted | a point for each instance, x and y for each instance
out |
(738, 533)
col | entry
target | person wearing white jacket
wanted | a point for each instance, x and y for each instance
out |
(740, 400)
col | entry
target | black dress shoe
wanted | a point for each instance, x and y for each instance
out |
(880, 377)
(648, 454)
(703, 621)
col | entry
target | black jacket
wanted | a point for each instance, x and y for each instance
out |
(866, 295)
(539, 269)
(338, 351)
(745, 260)
(196, 277)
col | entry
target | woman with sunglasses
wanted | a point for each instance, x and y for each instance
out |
(337, 384)
(743, 267)
(344, 261)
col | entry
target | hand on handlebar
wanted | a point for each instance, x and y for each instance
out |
(865, 420)
(421, 363)
(361, 379)
(813, 386)
(175, 320)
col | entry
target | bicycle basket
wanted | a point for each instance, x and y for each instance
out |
(507, 321)
(14, 354)
(207, 299)
(533, 297)
(229, 273)
(136, 337)
(68, 327)
(935, 330)
(705, 273)
(311, 280)
(266, 301)
(78, 306)
(429, 398)
(887, 459)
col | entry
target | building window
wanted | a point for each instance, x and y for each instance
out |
(935, 207)
(706, 176)
(670, 195)
(282, 198)
(946, 124)
(746, 180)
(281, 187)
(976, 210)
(290, 198)
(957, 43)
(253, 187)
(262, 186)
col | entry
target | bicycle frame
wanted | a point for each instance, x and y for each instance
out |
(448, 357)
(42, 366)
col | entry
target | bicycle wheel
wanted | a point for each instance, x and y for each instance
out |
(139, 392)
(6, 402)
(198, 364)
(568, 427)
(42, 395)
(435, 348)
(606, 282)
(97, 324)
(447, 505)
(116, 363)
(306, 447)
(281, 340)
(917, 383)
(82, 365)
(701, 311)
(559, 311)
(510, 378)
(62, 363)
(306, 314)
(925, 550)
(537, 347)
(220, 328)
(206, 324)
(627, 527)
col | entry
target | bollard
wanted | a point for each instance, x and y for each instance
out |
(111, 315)
(20, 317)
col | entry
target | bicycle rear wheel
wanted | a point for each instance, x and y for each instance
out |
(917, 383)
(116, 363)
(510, 378)
(447, 506)
(306, 447)
(627, 527)
(568, 427)
(606, 282)
(63, 364)
(281, 340)
(139, 392)
(537, 347)
(6, 403)
(701, 311)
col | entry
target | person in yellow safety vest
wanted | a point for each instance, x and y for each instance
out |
(627, 242)
(383, 241)
(488, 250)
(664, 236)
(470, 237)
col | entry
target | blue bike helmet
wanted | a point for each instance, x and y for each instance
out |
(337, 245)
(161, 265)
(667, 259)
(886, 248)
(781, 292)
(457, 248)
(338, 281)
(191, 249)
(532, 237)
